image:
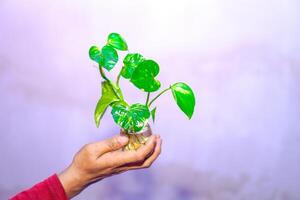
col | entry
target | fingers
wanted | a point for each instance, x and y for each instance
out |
(147, 163)
(119, 158)
(111, 144)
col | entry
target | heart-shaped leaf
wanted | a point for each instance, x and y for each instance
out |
(144, 75)
(131, 61)
(95, 54)
(131, 118)
(108, 97)
(115, 40)
(109, 57)
(184, 98)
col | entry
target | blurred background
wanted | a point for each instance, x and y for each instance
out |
(241, 57)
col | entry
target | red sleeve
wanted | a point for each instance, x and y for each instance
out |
(49, 189)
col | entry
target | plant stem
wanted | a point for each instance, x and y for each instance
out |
(103, 74)
(148, 97)
(159, 95)
(109, 81)
(118, 77)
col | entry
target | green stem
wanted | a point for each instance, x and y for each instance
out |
(109, 81)
(118, 77)
(165, 90)
(148, 97)
(103, 74)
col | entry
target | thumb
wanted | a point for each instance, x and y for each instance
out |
(112, 144)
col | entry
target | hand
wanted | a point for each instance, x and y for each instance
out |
(99, 160)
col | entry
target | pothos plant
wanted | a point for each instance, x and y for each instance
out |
(142, 73)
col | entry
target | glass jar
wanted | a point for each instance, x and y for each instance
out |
(137, 139)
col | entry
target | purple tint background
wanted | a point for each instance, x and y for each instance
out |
(241, 58)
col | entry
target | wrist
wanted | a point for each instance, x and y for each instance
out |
(72, 181)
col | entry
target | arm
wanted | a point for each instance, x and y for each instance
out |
(92, 163)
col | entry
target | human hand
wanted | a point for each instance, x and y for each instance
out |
(99, 160)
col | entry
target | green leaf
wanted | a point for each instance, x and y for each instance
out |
(144, 75)
(109, 57)
(153, 112)
(108, 97)
(132, 118)
(131, 61)
(184, 98)
(95, 54)
(115, 40)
